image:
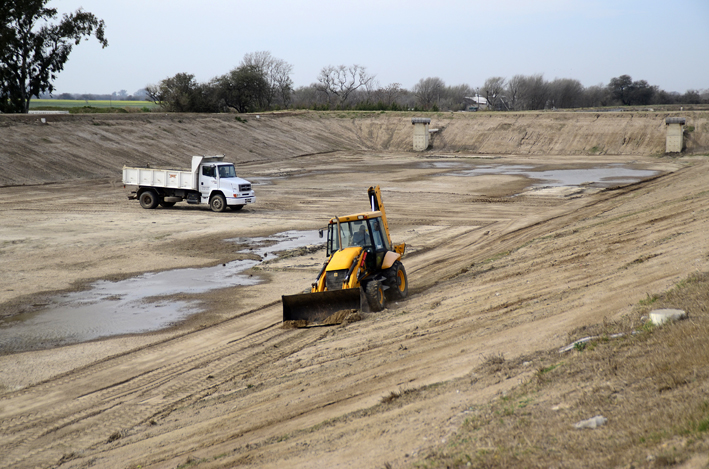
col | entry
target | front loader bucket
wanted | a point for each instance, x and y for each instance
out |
(320, 307)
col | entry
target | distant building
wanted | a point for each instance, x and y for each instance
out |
(475, 103)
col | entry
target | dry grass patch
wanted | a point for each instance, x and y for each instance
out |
(651, 385)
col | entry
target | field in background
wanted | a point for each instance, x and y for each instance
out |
(68, 104)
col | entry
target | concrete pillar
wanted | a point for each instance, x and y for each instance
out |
(675, 135)
(420, 132)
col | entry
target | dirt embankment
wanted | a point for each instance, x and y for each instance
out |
(92, 146)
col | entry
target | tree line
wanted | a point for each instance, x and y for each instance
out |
(262, 82)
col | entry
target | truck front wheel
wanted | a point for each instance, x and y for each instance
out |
(217, 203)
(149, 199)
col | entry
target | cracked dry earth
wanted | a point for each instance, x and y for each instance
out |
(496, 265)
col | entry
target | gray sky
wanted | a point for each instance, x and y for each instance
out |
(663, 42)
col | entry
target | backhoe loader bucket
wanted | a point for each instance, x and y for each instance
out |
(328, 307)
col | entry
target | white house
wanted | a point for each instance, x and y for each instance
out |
(476, 103)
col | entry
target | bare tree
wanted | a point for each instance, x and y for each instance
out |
(339, 83)
(492, 90)
(389, 94)
(453, 97)
(428, 91)
(513, 90)
(528, 92)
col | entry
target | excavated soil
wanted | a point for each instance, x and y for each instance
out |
(498, 265)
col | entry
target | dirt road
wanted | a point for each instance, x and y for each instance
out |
(496, 266)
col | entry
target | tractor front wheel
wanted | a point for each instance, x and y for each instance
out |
(375, 295)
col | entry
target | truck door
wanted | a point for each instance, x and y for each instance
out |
(207, 181)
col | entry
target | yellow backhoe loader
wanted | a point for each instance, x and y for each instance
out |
(363, 269)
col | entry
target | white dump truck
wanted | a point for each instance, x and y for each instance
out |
(211, 181)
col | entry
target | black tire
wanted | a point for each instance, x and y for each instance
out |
(218, 203)
(397, 282)
(149, 199)
(236, 208)
(375, 295)
(167, 204)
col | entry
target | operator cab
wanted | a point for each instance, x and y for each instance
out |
(365, 231)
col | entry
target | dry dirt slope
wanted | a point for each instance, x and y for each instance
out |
(90, 146)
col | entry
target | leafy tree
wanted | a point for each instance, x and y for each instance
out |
(277, 74)
(245, 89)
(177, 94)
(621, 88)
(628, 92)
(33, 50)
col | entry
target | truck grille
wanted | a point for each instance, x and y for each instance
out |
(244, 187)
(334, 279)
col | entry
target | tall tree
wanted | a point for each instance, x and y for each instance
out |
(276, 72)
(33, 50)
(492, 90)
(428, 91)
(566, 93)
(245, 89)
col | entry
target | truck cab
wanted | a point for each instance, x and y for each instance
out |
(220, 187)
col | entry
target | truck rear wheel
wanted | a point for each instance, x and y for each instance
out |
(218, 203)
(375, 295)
(149, 199)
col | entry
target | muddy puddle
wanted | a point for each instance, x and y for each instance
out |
(138, 304)
(597, 176)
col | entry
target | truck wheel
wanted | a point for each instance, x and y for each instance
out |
(167, 204)
(397, 282)
(149, 199)
(236, 208)
(218, 203)
(375, 295)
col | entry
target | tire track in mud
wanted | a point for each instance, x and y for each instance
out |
(40, 434)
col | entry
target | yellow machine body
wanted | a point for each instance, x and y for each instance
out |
(362, 270)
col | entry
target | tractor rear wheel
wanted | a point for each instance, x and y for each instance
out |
(397, 282)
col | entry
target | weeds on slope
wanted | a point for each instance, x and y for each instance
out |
(652, 386)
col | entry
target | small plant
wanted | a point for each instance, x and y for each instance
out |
(649, 299)
(239, 119)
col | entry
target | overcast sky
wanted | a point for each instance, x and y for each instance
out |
(663, 42)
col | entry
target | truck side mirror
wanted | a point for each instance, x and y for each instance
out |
(320, 232)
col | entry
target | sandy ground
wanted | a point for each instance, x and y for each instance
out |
(496, 266)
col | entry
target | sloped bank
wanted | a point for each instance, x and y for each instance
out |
(93, 146)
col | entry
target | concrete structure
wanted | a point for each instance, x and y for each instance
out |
(661, 316)
(675, 136)
(421, 138)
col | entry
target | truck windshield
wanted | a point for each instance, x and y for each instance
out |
(227, 171)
